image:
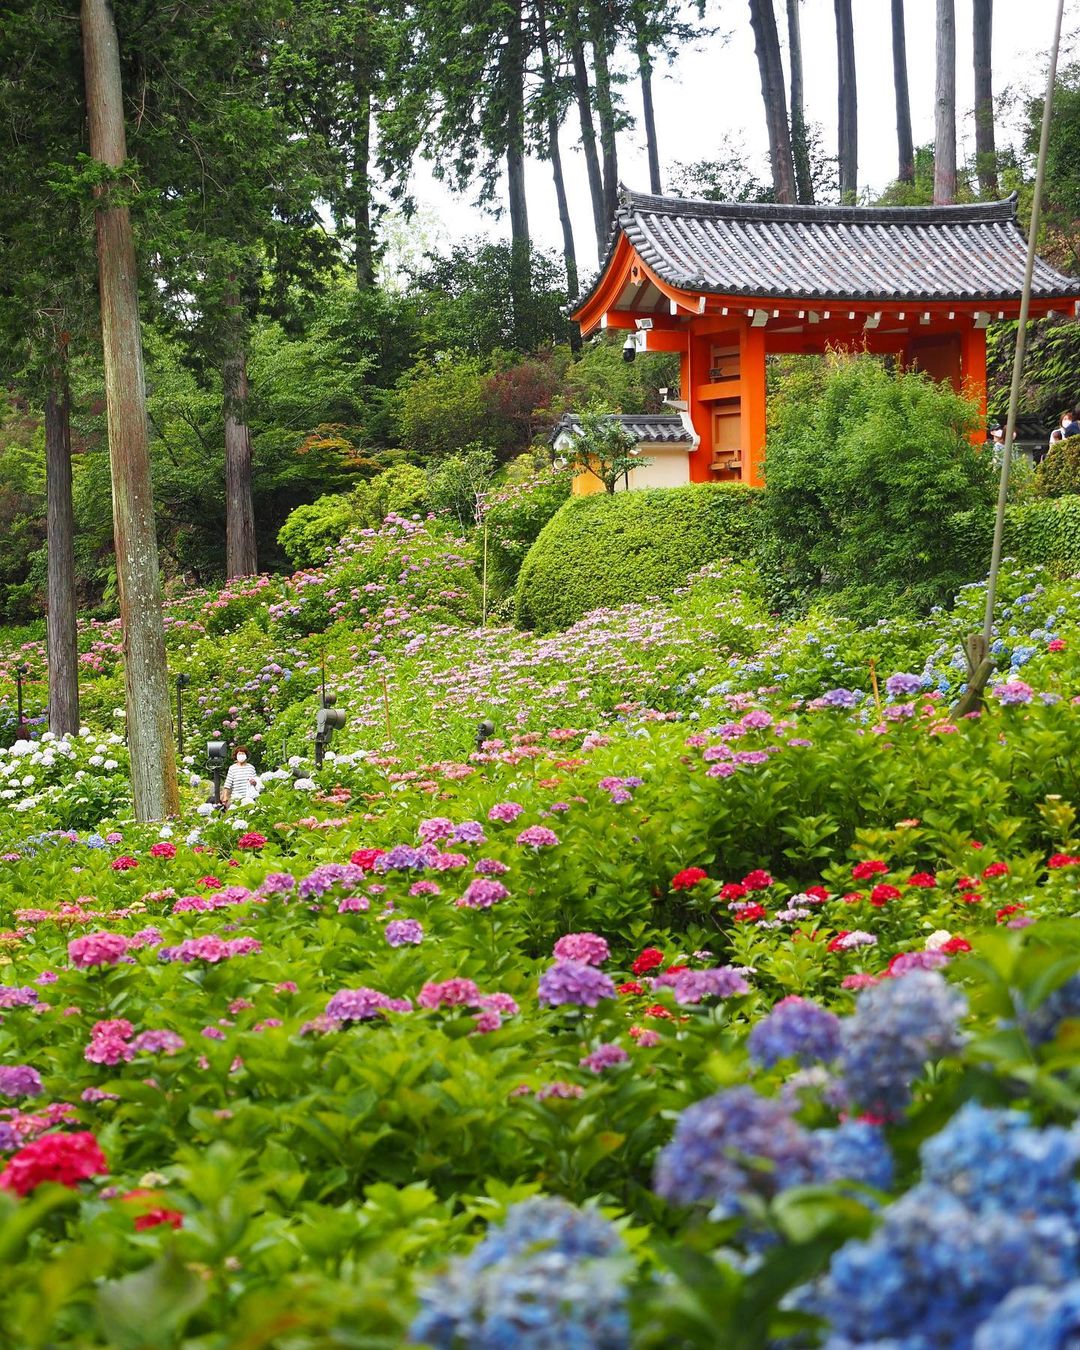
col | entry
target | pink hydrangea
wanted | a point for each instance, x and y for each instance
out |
(162, 849)
(587, 947)
(604, 1057)
(108, 1050)
(482, 893)
(506, 812)
(97, 949)
(538, 836)
(449, 994)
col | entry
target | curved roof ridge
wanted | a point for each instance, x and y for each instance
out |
(964, 213)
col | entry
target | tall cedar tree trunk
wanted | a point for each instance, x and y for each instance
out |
(60, 540)
(583, 97)
(985, 147)
(241, 558)
(149, 723)
(363, 246)
(905, 148)
(513, 83)
(645, 74)
(547, 76)
(767, 46)
(800, 148)
(605, 112)
(847, 102)
(945, 105)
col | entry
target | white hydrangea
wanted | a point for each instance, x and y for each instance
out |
(240, 826)
(48, 735)
(938, 939)
(166, 832)
(96, 761)
(304, 785)
(29, 780)
(204, 808)
(111, 764)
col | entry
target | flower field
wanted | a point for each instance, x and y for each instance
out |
(729, 994)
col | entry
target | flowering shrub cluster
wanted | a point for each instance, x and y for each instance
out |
(725, 986)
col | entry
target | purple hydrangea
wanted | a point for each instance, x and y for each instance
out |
(277, 883)
(719, 1144)
(157, 1043)
(404, 932)
(20, 1080)
(902, 685)
(437, 828)
(482, 894)
(604, 1057)
(896, 1027)
(574, 983)
(469, 832)
(325, 877)
(796, 1028)
(17, 996)
(1013, 693)
(905, 962)
(691, 986)
(401, 858)
(363, 1004)
(839, 698)
(490, 867)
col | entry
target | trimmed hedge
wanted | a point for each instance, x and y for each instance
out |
(1045, 531)
(614, 549)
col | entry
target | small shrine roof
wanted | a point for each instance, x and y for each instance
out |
(965, 254)
(651, 429)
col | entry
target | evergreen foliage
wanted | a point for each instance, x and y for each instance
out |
(601, 551)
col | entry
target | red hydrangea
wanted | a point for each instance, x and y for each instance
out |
(998, 869)
(971, 898)
(817, 892)
(124, 863)
(1056, 645)
(649, 959)
(750, 913)
(955, 945)
(210, 883)
(1006, 911)
(1062, 860)
(863, 871)
(66, 1158)
(925, 881)
(732, 891)
(757, 880)
(630, 987)
(883, 893)
(251, 840)
(967, 883)
(835, 944)
(688, 878)
(154, 1216)
(162, 849)
(365, 857)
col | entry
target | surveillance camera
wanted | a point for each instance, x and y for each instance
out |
(629, 351)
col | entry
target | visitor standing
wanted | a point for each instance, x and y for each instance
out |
(241, 782)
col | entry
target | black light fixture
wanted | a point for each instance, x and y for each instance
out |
(182, 682)
(217, 752)
(484, 732)
(327, 720)
(20, 670)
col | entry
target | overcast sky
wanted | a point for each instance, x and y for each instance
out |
(713, 90)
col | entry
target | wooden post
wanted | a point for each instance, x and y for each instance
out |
(153, 767)
(973, 374)
(63, 641)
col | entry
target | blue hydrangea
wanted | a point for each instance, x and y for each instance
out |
(796, 1028)
(1033, 1318)
(995, 1211)
(1041, 1023)
(855, 1151)
(896, 1027)
(552, 1276)
(719, 1145)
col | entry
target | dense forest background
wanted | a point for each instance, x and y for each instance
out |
(299, 338)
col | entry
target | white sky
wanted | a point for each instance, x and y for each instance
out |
(714, 90)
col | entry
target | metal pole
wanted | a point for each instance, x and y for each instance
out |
(1021, 335)
(18, 695)
(181, 680)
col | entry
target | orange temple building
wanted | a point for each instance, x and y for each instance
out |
(727, 284)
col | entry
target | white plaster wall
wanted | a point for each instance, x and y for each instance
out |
(670, 467)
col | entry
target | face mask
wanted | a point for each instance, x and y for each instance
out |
(241, 759)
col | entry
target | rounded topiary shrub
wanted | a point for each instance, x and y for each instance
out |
(616, 549)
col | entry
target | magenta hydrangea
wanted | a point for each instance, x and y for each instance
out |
(453, 993)
(537, 836)
(20, 1080)
(587, 947)
(505, 812)
(605, 1056)
(157, 1043)
(482, 893)
(97, 949)
(363, 1004)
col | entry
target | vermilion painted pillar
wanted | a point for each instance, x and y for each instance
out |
(752, 378)
(973, 374)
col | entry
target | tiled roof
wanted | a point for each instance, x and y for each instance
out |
(654, 429)
(962, 253)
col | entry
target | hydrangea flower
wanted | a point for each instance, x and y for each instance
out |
(605, 1056)
(538, 836)
(20, 1080)
(363, 1004)
(902, 685)
(587, 947)
(796, 1028)
(574, 983)
(897, 1026)
(550, 1278)
(691, 986)
(482, 893)
(404, 932)
(1041, 1023)
(97, 949)
(1033, 1318)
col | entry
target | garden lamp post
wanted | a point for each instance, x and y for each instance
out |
(327, 720)
(216, 753)
(484, 732)
(20, 670)
(182, 682)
